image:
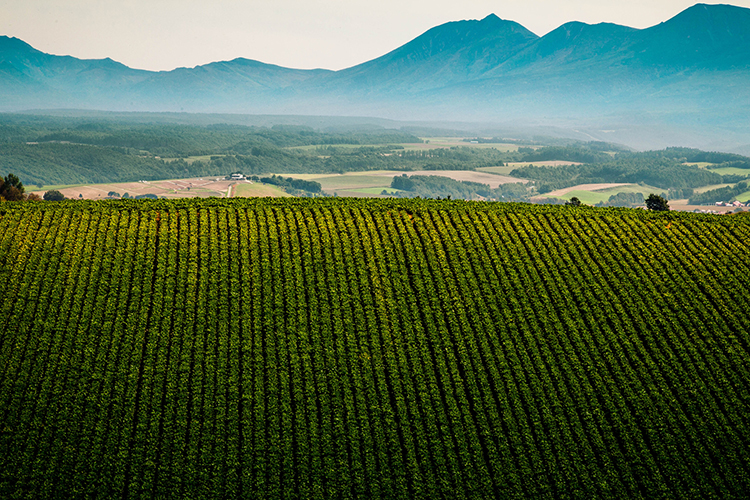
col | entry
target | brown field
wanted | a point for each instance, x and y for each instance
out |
(584, 187)
(176, 188)
(493, 180)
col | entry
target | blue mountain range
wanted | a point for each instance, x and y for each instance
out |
(690, 71)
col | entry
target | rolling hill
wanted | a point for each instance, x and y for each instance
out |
(383, 349)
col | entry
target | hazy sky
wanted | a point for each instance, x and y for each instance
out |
(332, 34)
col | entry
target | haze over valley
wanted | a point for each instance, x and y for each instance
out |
(681, 82)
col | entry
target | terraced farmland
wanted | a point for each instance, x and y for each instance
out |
(341, 348)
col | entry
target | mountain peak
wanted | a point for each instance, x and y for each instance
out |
(449, 52)
(707, 16)
(716, 36)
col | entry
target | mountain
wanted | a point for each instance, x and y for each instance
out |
(211, 86)
(29, 77)
(682, 74)
(27, 73)
(450, 53)
(714, 37)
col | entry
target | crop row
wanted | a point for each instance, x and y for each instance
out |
(317, 349)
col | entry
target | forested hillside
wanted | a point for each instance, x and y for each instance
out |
(60, 150)
(337, 348)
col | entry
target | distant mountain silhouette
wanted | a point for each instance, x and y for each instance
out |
(687, 71)
(449, 53)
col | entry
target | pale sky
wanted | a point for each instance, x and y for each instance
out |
(331, 34)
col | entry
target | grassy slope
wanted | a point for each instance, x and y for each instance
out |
(382, 349)
(257, 189)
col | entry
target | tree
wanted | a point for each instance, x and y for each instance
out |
(657, 203)
(54, 195)
(574, 202)
(14, 181)
(11, 188)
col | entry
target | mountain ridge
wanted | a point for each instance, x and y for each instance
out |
(473, 70)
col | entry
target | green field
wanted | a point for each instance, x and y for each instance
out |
(497, 170)
(354, 182)
(337, 348)
(247, 190)
(587, 197)
(732, 171)
(712, 187)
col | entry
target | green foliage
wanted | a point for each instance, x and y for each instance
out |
(433, 186)
(11, 188)
(181, 140)
(725, 194)
(574, 202)
(660, 172)
(566, 153)
(337, 348)
(680, 194)
(630, 200)
(744, 164)
(53, 163)
(732, 178)
(657, 203)
(53, 195)
(295, 184)
(403, 182)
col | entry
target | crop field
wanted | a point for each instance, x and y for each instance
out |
(247, 190)
(335, 183)
(170, 188)
(711, 187)
(744, 172)
(339, 348)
